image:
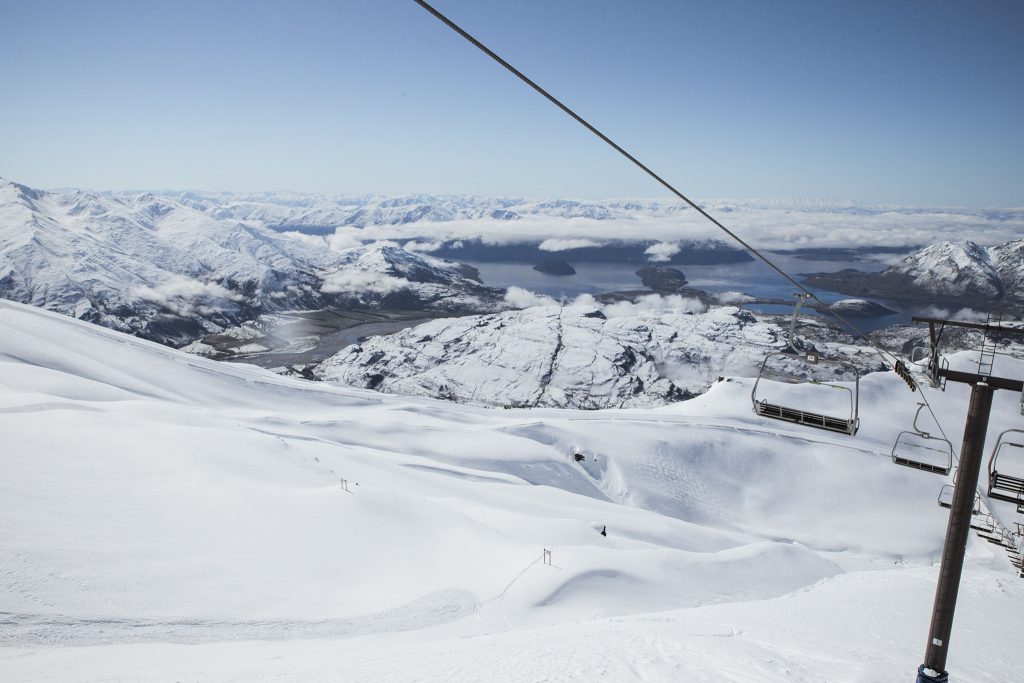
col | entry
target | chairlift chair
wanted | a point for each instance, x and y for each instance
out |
(1003, 485)
(922, 451)
(983, 523)
(1006, 540)
(846, 423)
(945, 499)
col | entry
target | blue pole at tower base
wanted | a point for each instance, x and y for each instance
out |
(926, 675)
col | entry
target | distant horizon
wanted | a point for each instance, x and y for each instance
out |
(431, 219)
(666, 199)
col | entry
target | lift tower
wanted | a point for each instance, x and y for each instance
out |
(965, 485)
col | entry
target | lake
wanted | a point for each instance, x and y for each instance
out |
(754, 278)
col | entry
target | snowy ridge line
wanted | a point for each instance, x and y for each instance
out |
(233, 371)
(711, 423)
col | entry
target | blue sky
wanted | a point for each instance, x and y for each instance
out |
(905, 103)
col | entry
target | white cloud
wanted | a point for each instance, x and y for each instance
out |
(662, 251)
(359, 282)
(766, 224)
(964, 314)
(344, 238)
(181, 294)
(566, 244)
(733, 298)
(587, 300)
(416, 245)
(653, 303)
(524, 298)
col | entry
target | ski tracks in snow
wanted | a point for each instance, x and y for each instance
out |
(49, 630)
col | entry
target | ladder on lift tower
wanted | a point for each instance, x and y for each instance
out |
(988, 346)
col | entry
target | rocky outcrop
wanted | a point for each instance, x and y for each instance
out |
(662, 279)
(560, 268)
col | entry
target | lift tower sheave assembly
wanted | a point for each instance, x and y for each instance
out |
(983, 386)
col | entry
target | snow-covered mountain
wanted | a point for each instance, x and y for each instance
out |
(951, 269)
(560, 224)
(164, 517)
(166, 271)
(577, 356)
(963, 272)
(389, 276)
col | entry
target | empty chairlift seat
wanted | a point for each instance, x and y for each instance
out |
(922, 451)
(984, 523)
(946, 499)
(1006, 468)
(835, 411)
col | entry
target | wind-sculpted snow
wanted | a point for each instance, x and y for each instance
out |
(156, 268)
(166, 517)
(566, 357)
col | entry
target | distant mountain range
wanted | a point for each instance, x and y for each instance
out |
(166, 271)
(964, 273)
(176, 266)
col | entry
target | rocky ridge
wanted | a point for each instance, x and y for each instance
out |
(576, 357)
(162, 270)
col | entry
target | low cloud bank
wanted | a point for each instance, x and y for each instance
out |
(766, 225)
(662, 251)
(733, 298)
(964, 314)
(358, 282)
(518, 297)
(566, 244)
(183, 295)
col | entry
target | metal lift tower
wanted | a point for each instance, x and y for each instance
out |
(983, 385)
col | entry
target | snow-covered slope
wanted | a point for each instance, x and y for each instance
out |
(157, 268)
(578, 356)
(957, 269)
(389, 276)
(963, 272)
(1008, 260)
(158, 509)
